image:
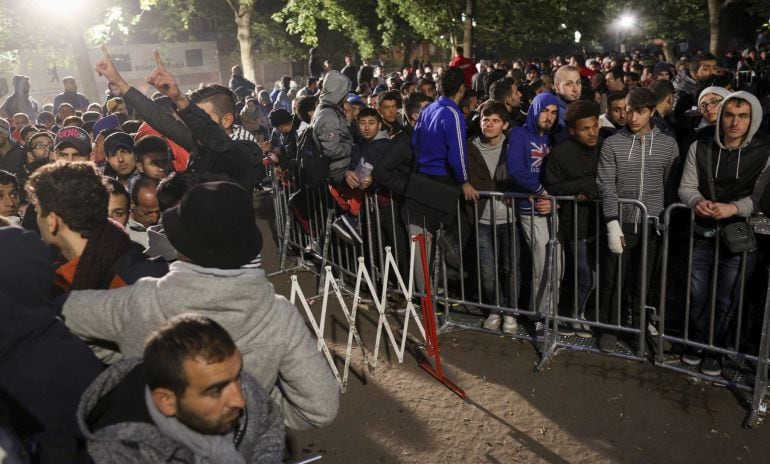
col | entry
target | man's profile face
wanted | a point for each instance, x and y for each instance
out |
(569, 86)
(613, 84)
(9, 200)
(154, 165)
(213, 401)
(147, 211)
(736, 119)
(515, 97)
(547, 118)
(388, 110)
(706, 69)
(616, 112)
(117, 209)
(208, 107)
(348, 108)
(586, 131)
(630, 82)
(369, 126)
(122, 161)
(428, 90)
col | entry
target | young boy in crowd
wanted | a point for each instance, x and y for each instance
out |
(364, 156)
(119, 148)
(153, 157)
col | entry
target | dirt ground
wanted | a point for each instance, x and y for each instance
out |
(583, 408)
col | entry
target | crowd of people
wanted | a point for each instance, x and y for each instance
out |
(140, 327)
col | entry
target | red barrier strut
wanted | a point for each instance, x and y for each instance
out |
(431, 336)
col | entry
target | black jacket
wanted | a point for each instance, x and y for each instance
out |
(217, 153)
(154, 115)
(44, 368)
(570, 170)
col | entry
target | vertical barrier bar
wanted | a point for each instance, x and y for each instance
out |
(758, 403)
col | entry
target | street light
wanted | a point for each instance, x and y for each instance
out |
(624, 23)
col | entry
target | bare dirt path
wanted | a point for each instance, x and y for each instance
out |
(584, 408)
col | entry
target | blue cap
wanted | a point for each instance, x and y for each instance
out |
(355, 99)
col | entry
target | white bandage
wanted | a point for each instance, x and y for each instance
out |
(615, 237)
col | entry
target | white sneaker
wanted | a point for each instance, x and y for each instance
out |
(492, 322)
(510, 325)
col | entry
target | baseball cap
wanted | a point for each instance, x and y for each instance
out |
(118, 140)
(74, 136)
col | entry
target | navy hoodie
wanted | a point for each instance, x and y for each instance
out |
(44, 368)
(527, 150)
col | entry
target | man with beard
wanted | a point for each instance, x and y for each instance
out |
(186, 400)
(527, 150)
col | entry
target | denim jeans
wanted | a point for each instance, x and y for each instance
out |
(728, 286)
(501, 270)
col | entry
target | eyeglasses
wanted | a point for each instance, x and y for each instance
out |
(710, 104)
(43, 146)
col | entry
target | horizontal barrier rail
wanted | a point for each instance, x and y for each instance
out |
(550, 278)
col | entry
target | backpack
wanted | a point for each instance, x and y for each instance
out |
(313, 166)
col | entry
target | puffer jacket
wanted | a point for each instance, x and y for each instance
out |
(330, 128)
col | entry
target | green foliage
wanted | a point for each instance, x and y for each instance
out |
(301, 18)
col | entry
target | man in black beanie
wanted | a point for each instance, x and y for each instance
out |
(215, 235)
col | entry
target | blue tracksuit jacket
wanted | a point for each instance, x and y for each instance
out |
(439, 141)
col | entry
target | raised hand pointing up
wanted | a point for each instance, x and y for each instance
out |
(166, 83)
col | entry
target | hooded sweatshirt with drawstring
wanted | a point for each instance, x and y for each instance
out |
(740, 173)
(634, 167)
(330, 128)
(527, 151)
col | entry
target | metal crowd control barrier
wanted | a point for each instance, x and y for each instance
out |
(464, 296)
(744, 355)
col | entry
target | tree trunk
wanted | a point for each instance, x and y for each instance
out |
(243, 20)
(87, 82)
(468, 30)
(715, 40)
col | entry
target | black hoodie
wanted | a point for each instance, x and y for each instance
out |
(44, 368)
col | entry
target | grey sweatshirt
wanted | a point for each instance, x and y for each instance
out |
(277, 347)
(689, 192)
(637, 168)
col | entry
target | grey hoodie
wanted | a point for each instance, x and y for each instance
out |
(330, 128)
(690, 188)
(259, 437)
(278, 349)
(18, 102)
